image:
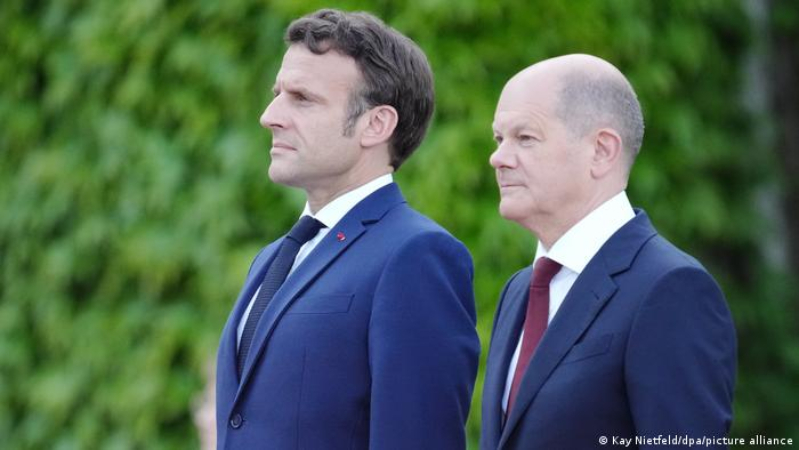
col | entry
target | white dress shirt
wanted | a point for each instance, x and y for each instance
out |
(573, 251)
(329, 215)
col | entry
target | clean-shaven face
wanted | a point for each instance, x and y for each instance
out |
(542, 170)
(307, 118)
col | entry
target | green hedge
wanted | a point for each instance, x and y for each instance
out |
(134, 190)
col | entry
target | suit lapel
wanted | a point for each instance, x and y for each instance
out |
(228, 378)
(352, 226)
(586, 298)
(584, 301)
(503, 344)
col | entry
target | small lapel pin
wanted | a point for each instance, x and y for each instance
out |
(340, 236)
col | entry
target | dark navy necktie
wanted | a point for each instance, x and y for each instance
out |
(535, 320)
(303, 231)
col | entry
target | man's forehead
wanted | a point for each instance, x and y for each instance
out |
(526, 102)
(511, 119)
(302, 66)
(299, 57)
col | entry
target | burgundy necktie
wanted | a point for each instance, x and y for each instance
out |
(535, 320)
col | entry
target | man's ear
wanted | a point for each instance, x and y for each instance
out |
(608, 152)
(382, 120)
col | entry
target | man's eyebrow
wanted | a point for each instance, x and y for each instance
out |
(294, 90)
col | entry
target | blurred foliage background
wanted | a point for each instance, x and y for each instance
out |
(134, 191)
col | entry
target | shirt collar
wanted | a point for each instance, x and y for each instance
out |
(576, 248)
(334, 211)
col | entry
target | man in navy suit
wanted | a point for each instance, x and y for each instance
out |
(613, 336)
(367, 338)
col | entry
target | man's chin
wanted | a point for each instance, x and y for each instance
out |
(507, 210)
(280, 176)
(512, 212)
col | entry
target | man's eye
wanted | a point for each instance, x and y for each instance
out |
(498, 139)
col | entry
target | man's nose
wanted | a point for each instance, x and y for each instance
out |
(502, 157)
(272, 117)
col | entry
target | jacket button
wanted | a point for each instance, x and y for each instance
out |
(236, 421)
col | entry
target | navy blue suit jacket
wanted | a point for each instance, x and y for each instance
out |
(643, 345)
(370, 342)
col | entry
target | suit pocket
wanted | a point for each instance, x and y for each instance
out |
(322, 304)
(589, 349)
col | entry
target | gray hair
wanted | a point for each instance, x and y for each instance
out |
(587, 102)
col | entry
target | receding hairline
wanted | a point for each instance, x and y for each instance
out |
(589, 93)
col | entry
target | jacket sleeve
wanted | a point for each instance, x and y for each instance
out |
(680, 362)
(423, 346)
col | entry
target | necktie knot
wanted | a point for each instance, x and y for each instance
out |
(543, 272)
(305, 229)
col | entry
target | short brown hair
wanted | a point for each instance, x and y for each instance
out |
(395, 71)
